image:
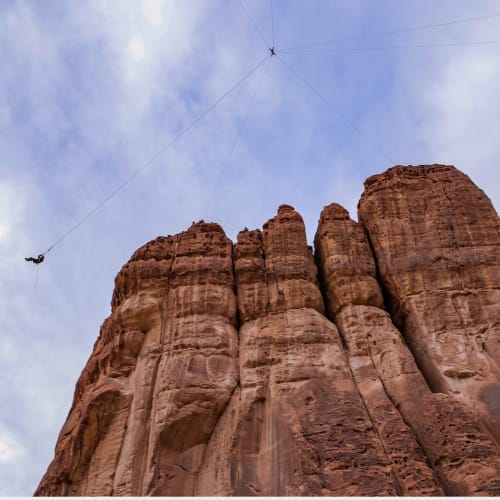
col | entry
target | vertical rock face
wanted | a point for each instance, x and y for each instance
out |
(404, 409)
(229, 370)
(297, 425)
(436, 239)
(161, 372)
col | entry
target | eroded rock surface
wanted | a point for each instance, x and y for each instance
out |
(297, 425)
(421, 430)
(162, 371)
(436, 238)
(228, 370)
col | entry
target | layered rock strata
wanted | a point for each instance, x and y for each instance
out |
(229, 370)
(436, 239)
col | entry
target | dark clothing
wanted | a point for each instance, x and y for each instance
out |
(38, 260)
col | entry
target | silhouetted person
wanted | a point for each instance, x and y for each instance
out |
(38, 260)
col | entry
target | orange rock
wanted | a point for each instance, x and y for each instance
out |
(221, 372)
(436, 238)
(395, 392)
(297, 424)
(161, 373)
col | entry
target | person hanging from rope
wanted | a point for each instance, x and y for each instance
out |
(37, 260)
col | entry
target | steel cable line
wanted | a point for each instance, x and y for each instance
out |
(386, 47)
(337, 110)
(236, 139)
(254, 24)
(392, 32)
(156, 156)
(272, 21)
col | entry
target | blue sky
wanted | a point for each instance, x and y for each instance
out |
(91, 91)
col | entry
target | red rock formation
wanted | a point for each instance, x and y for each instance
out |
(161, 372)
(397, 396)
(297, 425)
(175, 401)
(436, 239)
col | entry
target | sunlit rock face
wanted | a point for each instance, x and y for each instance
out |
(297, 424)
(436, 239)
(258, 368)
(418, 427)
(161, 373)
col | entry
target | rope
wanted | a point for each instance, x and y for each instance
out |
(36, 279)
(419, 46)
(393, 32)
(233, 147)
(272, 21)
(293, 71)
(156, 156)
(253, 23)
(337, 110)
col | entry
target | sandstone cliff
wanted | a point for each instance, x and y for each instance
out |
(368, 368)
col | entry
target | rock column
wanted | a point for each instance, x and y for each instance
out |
(413, 423)
(298, 425)
(436, 239)
(161, 372)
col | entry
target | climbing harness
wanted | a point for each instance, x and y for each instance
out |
(35, 260)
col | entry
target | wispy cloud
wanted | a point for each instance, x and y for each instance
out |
(90, 92)
(9, 449)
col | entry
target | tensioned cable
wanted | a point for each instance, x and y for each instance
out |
(253, 23)
(236, 139)
(157, 155)
(272, 21)
(386, 47)
(337, 110)
(392, 32)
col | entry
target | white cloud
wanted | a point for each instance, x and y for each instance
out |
(152, 10)
(9, 449)
(459, 116)
(12, 204)
(463, 98)
(3, 230)
(92, 91)
(136, 49)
